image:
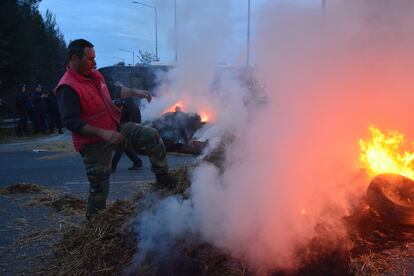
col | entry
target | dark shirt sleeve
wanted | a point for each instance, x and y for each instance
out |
(114, 90)
(69, 108)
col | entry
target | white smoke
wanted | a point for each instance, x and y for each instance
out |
(196, 81)
(295, 164)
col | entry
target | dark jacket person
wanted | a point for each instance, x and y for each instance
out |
(130, 113)
(23, 110)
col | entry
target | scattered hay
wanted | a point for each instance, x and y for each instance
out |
(103, 246)
(43, 196)
(204, 259)
(106, 245)
(31, 237)
(192, 258)
(371, 264)
(326, 254)
(64, 203)
(22, 188)
(182, 175)
(379, 246)
(183, 180)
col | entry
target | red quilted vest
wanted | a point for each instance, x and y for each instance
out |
(96, 105)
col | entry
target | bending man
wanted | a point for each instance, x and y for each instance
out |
(87, 110)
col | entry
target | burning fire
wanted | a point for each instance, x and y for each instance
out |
(179, 106)
(204, 117)
(383, 153)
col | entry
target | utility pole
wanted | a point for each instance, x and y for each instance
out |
(156, 24)
(248, 35)
(175, 26)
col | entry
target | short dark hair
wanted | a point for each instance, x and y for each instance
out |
(76, 47)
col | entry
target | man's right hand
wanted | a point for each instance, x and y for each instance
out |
(111, 136)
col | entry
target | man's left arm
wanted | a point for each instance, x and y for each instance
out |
(119, 91)
(127, 92)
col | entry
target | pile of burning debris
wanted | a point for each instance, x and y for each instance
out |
(177, 129)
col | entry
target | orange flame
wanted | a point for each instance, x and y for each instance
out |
(178, 106)
(204, 117)
(383, 153)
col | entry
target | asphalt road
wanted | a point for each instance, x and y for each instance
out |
(28, 162)
(31, 162)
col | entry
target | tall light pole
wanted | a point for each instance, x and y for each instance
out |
(248, 35)
(175, 29)
(156, 25)
(323, 5)
(133, 55)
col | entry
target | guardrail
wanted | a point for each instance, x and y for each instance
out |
(9, 123)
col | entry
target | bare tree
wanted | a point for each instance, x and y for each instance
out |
(146, 58)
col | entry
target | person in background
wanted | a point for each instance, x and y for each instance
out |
(130, 113)
(23, 110)
(39, 111)
(52, 111)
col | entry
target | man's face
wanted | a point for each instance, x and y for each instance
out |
(87, 62)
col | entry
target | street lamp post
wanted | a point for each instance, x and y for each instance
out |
(323, 5)
(175, 29)
(248, 35)
(156, 25)
(133, 55)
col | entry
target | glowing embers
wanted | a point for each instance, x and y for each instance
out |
(385, 153)
(179, 107)
(204, 117)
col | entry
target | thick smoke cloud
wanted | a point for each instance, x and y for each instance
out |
(203, 36)
(295, 164)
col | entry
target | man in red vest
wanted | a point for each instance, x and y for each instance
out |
(87, 110)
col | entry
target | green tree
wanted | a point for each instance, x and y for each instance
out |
(32, 49)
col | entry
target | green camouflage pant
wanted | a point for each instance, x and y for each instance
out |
(138, 136)
(97, 159)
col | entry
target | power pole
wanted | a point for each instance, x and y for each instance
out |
(175, 25)
(248, 35)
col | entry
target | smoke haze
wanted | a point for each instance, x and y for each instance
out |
(294, 165)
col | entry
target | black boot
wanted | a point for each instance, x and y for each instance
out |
(137, 165)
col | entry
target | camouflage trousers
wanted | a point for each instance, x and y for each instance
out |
(139, 136)
(97, 160)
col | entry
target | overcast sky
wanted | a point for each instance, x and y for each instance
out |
(119, 24)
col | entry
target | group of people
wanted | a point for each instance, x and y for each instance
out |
(40, 107)
(95, 109)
